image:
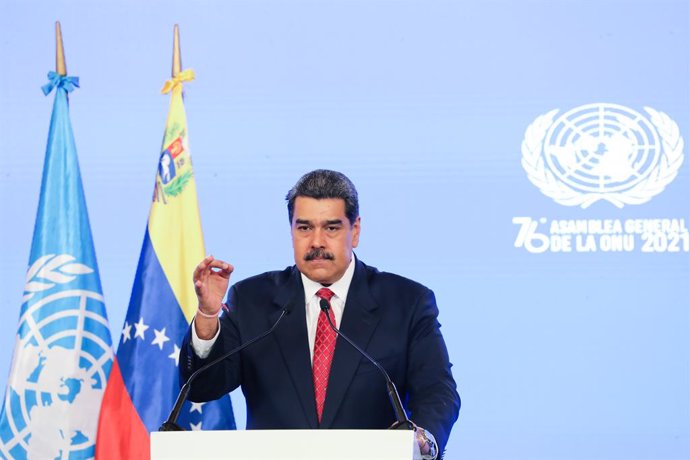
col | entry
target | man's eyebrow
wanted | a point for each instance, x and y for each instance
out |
(323, 223)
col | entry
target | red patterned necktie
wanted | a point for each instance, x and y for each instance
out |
(324, 346)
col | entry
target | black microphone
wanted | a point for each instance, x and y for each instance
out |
(402, 422)
(171, 423)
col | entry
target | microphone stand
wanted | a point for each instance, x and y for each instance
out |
(171, 423)
(402, 421)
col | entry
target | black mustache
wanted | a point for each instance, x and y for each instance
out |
(318, 253)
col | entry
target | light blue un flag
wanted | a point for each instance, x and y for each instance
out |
(63, 353)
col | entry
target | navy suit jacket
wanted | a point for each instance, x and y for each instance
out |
(391, 317)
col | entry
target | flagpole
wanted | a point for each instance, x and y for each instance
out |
(177, 60)
(62, 283)
(176, 69)
(60, 66)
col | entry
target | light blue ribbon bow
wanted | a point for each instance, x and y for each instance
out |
(61, 81)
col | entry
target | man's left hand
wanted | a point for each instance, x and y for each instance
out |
(427, 443)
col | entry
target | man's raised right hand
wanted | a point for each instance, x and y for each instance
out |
(211, 278)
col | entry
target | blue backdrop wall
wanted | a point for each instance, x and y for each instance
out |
(556, 242)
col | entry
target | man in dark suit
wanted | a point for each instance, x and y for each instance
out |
(302, 376)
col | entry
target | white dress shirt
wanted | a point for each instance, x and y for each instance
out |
(311, 302)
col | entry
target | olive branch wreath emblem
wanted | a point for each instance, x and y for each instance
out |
(662, 174)
(49, 270)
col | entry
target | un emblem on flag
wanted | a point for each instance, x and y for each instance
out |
(62, 359)
(602, 152)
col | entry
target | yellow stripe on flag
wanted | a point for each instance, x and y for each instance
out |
(174, 223)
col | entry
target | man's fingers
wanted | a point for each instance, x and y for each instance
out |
(224, 269)
(207, 278)
(202, 267)
(206, 265)
(215, 263)
(199, 288)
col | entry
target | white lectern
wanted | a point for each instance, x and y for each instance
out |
(284, 445)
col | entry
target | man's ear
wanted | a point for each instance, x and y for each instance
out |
(356, 227)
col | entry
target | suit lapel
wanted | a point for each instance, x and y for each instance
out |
(293, 344)
(359, 322)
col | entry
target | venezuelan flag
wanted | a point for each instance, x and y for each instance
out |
(144, 380)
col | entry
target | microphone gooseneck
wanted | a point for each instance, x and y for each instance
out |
(402, 421)
(171, 423)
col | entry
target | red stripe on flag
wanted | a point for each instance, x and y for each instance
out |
(121, 433)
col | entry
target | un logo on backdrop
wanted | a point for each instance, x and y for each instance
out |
(602, 152)
(62, 359)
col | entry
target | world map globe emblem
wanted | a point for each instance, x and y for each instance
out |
(601, 147)
(602, 151)
(62, 359)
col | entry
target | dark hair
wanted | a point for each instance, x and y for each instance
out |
(321, 184)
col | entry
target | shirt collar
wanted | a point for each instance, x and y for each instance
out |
(339, 288)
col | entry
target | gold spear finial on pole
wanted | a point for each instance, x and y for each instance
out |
(60, 66)
(177, 60)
